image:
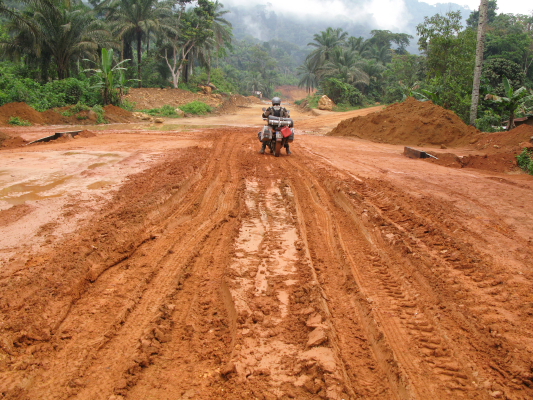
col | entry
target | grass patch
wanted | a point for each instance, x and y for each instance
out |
(197, 108)
(166, 111)
(309, 101)
(75, 109)
(19, 121)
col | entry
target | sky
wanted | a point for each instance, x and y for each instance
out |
(504, 6)
(393, 14)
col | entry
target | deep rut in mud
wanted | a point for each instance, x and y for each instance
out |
(221, 274)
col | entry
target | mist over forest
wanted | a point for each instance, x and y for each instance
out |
(265, 21)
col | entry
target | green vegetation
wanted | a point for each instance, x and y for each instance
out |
(525, 160)
(511, 100)
(100, 114)
(357, 71)
(111, 80)
(75, 109)
(55, 53)
(196, 107)
(19, 121)
(165, 111)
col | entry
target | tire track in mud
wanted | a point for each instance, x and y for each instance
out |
(204, 210)
(276, 278)
(142, 282)
(417, 318)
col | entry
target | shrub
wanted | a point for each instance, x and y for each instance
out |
(75, 109)
(525, 160)
(19, 121)
(100, 112)
(310, 101)
(341, 92)
(165, 111)
(489, 122)
(196, 107)
(57, 93)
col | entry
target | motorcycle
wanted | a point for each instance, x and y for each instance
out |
(277, 133)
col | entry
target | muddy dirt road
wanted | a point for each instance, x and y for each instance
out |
(202, 270)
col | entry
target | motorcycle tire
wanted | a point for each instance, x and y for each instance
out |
(278, 149)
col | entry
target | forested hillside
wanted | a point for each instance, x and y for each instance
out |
(57, 52)
(266, 22)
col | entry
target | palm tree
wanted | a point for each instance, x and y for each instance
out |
(54, 31)
(202, 51)
(382, 54)
(221, 27)
(357, 44)
(347, 66)
(136, 19)
(374, 70)
(325, 42)
(254, 82)
(308, 74)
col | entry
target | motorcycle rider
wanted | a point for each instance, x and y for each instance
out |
(277, 111)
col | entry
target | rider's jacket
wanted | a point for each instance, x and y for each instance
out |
(276, 111)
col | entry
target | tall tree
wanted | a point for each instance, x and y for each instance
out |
(191, 28)
(324, 43)
(57, 31)
(308, 75)
(136, 19)
(483, 20)
(347, 66)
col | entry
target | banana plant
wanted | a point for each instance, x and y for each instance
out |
(111, 78)
(512, 100)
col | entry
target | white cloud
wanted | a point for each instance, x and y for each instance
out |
(506, 7)
(389, 14)
(386, 14)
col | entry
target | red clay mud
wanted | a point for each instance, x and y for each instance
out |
(181, 264)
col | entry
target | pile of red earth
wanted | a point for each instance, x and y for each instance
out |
(412, 122)
(232, 103)
(24, 112)
(500, 150)
(148, 98)
(515, 138)
(498, 162)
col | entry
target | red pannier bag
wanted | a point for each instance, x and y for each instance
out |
(286, 131)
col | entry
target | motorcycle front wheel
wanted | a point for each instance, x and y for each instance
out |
(277, 152)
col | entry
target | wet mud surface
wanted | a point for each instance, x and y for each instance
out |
(207, 271)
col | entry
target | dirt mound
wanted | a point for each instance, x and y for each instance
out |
(506, 140)
(412, 123)
(52, 117)
(22, 111)
(148, 98)
(86, 134)
(291, 93)
(235, 101)
(116, 114)
(498, 162)
(10, 142)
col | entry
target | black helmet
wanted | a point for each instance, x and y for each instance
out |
(276, 101)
